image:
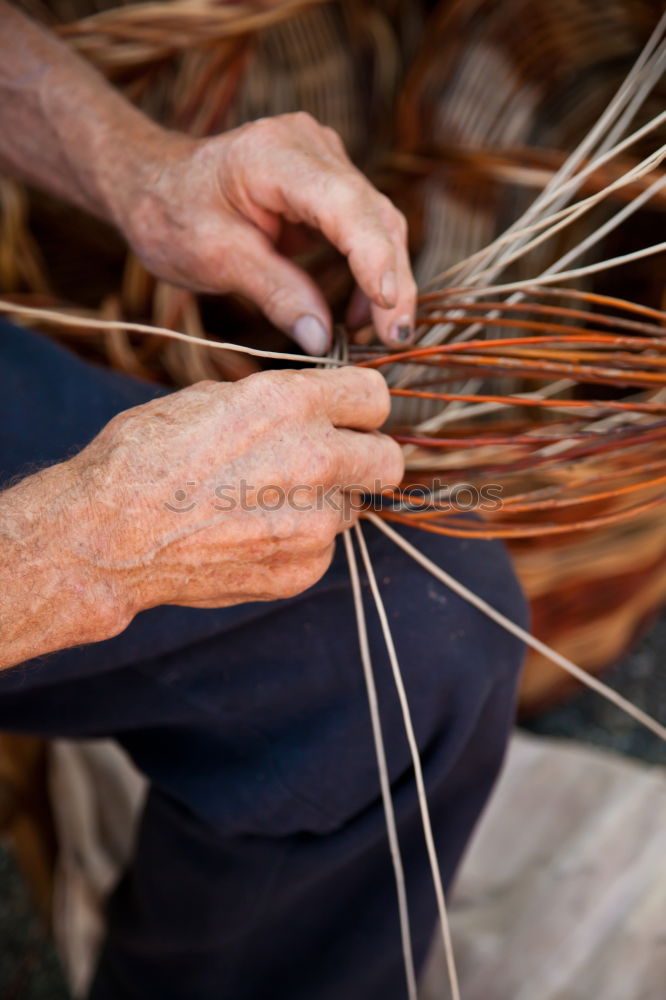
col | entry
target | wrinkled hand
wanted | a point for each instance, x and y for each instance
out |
(206, 215)
(172, 522)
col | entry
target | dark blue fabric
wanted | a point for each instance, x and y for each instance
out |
(263, 868)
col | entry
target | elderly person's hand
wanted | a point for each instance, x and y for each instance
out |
(206, 215)
(215, 495)
(230, 492)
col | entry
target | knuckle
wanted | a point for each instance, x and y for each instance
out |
(334, 138)
(387, 208)
(326, 527)
(304, 119)
(298, 383)
(373, 255)
(265, 126)
(388, 211)
(411, 288)
(351, 190)
(265, 132)
(204, 387)
(399, 224)
(118, 422)
(324, 560)
(292, 583)
(128, 422)
(276, 301)
(318, 566)
(321, 465)
(298, 576)
(393, 219)
(287, 394)
(377, 387)
(299, 125)
(257, 382)
(284, 526)
(395, 461)
(256, 385)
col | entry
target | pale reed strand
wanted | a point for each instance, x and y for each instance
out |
(68, 319)
(418, 771)
(384, 780)
(487, 609)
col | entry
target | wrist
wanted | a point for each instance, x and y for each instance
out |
(132, 181)
(47, 538)
(93, 536)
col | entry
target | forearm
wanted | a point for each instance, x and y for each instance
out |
(63, 128)
(52, 595)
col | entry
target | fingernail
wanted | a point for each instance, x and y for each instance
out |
(311, 334)
(402, 330)
(389, 289)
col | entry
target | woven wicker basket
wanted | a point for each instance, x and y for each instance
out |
(459, 113)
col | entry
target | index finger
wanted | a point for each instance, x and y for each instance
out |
(364, 225)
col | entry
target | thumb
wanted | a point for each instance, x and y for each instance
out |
(283, 292)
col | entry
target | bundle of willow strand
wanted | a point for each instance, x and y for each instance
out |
(549, 453)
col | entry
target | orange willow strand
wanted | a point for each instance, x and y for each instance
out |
(524, 531)
(544, 369)
(549, 310)
(416, 353)
(574, 293)
(599, 477)
(571, 404)
(557, 503)
(522, 324)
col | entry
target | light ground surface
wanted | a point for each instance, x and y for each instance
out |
(563, 892)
